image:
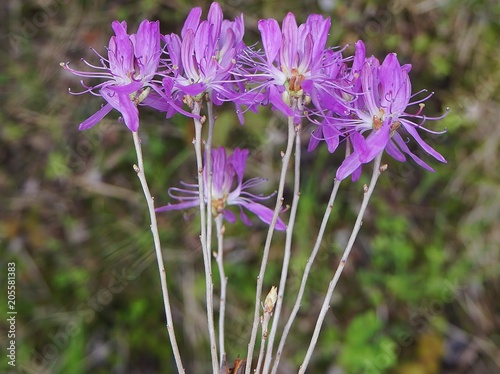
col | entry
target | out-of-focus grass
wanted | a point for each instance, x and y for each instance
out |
(420, 289)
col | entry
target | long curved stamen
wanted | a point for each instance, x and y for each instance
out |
(102, 67)
(85, 74)
(420, 127)
(82, 92)
(180, 197)
(101, 58)
(253, 182)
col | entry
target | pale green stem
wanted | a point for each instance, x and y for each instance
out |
(206, 256)
(260, 278)
(326, 303)
(287, 251)
(223, 283)
(139, 169)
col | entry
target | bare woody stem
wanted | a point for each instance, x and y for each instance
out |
(326, 303)
(139, 169)
(287, 252)
(265, 322)
(305, 276)
(223, 283)
(208, 152)
(207, 258)
(267, 307)
(260, 278)
(307, 270)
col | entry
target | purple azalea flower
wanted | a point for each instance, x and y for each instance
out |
(331, 128)
(129, 70)
(295, 65)
(227, 189)
(380, 96)
(203, 57)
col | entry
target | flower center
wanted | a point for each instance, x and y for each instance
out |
(295, 82)
(218, 205)
(378, 120)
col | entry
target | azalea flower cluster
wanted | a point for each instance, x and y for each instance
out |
(355, 99)
(375, 117)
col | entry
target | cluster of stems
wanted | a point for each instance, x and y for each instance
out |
(268, 359)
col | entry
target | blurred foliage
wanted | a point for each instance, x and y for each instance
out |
(420, 291)
(365, 349)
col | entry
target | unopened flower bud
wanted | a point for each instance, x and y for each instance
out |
(270, 300)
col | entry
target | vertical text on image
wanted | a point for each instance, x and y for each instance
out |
(11, 313)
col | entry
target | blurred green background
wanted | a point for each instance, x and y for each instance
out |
(420, 291)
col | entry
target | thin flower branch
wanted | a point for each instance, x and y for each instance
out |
(307, 270)
(288, 250)
(223, 283)
(139, 169)
(208, 166)
(305, 276)
(198, 124)
(279, 203)
(209, 216)
(267, 307)
(377, 169)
